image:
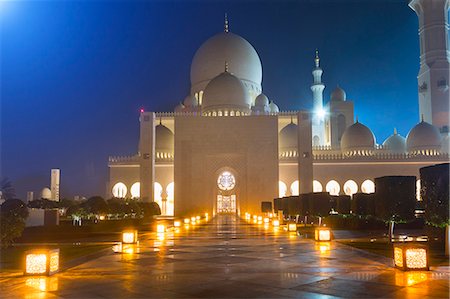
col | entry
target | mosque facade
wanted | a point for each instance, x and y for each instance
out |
(226, 148)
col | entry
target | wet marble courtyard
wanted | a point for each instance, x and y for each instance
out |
(229, 258)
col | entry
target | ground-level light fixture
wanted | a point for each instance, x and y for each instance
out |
(193, 219)
(276, 223)
(266, 220)
(187, 220)
(411, 256)
(41, 262)
(292, 227)
(130, 236)
(198, 217)
(177, 223)
(322, 234)
(160, 228)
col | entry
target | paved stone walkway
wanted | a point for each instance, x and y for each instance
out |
(229, 258)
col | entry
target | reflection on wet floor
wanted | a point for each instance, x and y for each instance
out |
(230, 258)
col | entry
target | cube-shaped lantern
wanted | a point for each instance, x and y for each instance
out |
(193, 219)
(130, 236)
(322, 234)
(276, 223)
(177, 223)
(198, 218)
(266, 220)
(41, 262)
(292, 227)
(160, 228)
(187, 220)
(411, 256)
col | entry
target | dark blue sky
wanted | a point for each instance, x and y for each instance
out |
(75, 73)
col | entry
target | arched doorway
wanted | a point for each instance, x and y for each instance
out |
(226, 193)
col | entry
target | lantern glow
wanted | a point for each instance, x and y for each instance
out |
(187, 220)
(411, 256)
(292, 227)
(322, 234)
(130, 236)
(41, 262)
(177, 223)
(276, 223)
(160, 228)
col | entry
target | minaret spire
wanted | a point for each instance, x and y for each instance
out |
(225, 26)
(226, 66)
(317, 59)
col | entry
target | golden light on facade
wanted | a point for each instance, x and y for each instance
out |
(187, 220)
(160, 228)
(41, 262)
(276, 223)
(130, 236)
(322, 234)
(292, 227)
(177, 223)
(411, 256)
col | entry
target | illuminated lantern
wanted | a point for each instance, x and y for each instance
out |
(41, 262)
(160, 228)
(266, 220)
(177, 223)
(187, 220)
(198, 218)
(260, 218)
(276, 223)
(322, 234)
(130, 236)
(292, 227)
(411, 256)
(193, 219)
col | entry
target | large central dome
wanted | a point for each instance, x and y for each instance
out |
(227, 47)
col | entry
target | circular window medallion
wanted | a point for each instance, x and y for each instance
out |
(226, 181)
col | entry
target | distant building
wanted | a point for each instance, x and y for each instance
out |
(30, 196)
(226, 148)
(54, 186)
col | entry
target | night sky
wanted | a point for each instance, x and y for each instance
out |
(74, 74)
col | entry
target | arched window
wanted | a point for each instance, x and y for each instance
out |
(119, 190)
(317, 186)
(157, 197)
(282, 189)
(200, 97)
(350, 187)
(135, 190)
(295, 188)
(316, 140)
(333, 187)
(368, 187)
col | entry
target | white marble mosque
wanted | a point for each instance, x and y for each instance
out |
(227, 147)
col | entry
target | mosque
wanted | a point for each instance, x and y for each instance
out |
(227, 147)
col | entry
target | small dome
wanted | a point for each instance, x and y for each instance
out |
(46, 193)
(422, 137)
(225, 46)
(357, 140)
(395, 143)
(164, 139)
(288, 137)
(338, 95)
(273, 107)
(261, 100)
(226, 92)
(190, 101)
(179, 108)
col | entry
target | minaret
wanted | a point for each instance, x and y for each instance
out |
(318, 124)
(434, 73)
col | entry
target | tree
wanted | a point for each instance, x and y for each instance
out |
(13, 213)
(7, 190)
(96, 205)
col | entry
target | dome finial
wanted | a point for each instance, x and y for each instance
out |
(317, 59)
(292, 119)
(421, 118)
(357, 118)
(226, 66)
(395, 131)
(225, 26)
(160, 120)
